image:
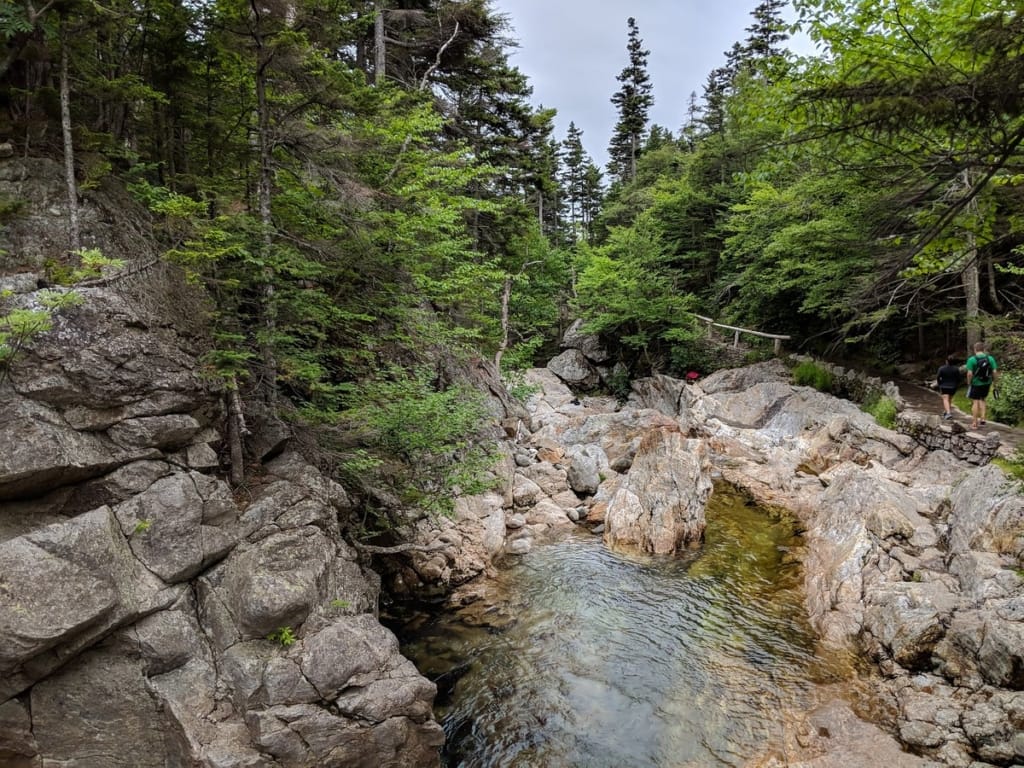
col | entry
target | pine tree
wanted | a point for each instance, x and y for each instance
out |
(768, 31)
(592, 199)
(633, 101)
(574, 164)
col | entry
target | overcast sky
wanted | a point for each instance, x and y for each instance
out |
(573, 50)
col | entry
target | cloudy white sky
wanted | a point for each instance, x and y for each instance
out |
(572, 51)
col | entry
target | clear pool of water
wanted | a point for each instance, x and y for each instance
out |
(585, 657)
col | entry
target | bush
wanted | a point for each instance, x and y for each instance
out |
(427, 442)
(1006, 403)
(883, 408)
(808, 374)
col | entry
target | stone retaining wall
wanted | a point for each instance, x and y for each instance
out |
(855, 385)
(938, 435)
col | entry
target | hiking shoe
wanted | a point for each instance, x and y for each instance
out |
(982, 422)
(947, 415)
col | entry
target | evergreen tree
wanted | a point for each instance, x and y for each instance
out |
(575, 161)
(592, 198)
(768, 31)
(633, 102)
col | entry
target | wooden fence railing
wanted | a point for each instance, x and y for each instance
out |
(777, 337)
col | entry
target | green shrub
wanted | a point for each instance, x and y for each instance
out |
(1012, 466)
(1006, 402)
(284, 636)
(427, 442)
(883, 408)
(808, 374)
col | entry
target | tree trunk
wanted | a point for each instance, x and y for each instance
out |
(236, 431)
(993, 294)
(506, 296)
(632, 158)
(74, 234)
(969, 276)
(379, 46)
(264, 192)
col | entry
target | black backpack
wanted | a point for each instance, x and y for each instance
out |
(982, 367)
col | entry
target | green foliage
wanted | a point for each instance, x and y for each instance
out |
(55, 301)
(619, 383)
(1014, 465)
(883, 408)
(10, 207)
(627, 290)
(809, 374)
(19, 326)
(691, 351)
(1006, 399)
(142, 526)
(283, 636)
(91, 264)
(517, 386)
(432, 431)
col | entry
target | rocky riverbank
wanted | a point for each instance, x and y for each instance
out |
(914, 556)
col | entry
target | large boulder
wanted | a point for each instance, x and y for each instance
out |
(987, 514)
(660, 506)
(587, 343)
(574, 369)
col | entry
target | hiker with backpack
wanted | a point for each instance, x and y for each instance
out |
(981, 373)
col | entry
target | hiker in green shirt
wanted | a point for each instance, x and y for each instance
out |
(981, 372)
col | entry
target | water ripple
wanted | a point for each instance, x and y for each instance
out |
(618, 661)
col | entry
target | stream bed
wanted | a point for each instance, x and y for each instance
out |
(578, 656)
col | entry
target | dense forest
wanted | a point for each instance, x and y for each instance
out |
(367, 195)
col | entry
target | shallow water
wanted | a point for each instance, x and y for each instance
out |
(592, 658)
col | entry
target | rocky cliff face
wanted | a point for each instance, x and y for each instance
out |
(138, 592)
(151, 615)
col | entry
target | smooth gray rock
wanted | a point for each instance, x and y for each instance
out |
(589, 344)
(168, 433)
(585, 465)
(42, 452)
(277, 581)
(18, 748)
(97, 713)
(93, 583)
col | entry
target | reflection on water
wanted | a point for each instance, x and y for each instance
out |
(605, 660)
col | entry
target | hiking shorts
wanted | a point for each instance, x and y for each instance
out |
(978, 391)
(947, 390)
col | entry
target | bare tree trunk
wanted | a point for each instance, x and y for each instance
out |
(236, 431)
(506, 300)
(506, 296)
(969, 276)
(379, 46)
(993, 294)
(74, 234)
(264, 192)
